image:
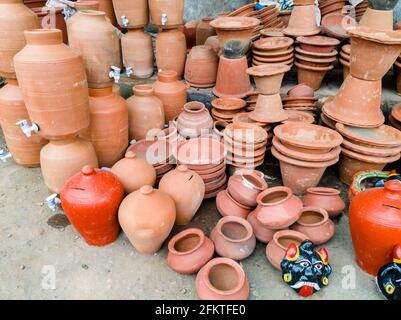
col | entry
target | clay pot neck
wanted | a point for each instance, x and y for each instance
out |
(194, 107)
(189, 241)
(312, 217)
(146, 190)
(93, 14)
(88, 171)
(143, 90)
(44, 37)
(168, 76)
(103, 92)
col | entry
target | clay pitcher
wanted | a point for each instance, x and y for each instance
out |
(167, 14)
(131, 14)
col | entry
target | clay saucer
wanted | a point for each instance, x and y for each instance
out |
(156, 152)
(300, 99)
(223, 115)
(301, 108)
(371, 151)
(273, 44)
(246, 133)
(214, 193)
(370, 159)
(316, 54)
(263, 54)
(319, 44)
(333, 25)
(300, 104)
(301, 90)
(274, 59)
(242, 10)
(201, 151)
(244, 160)
(396, 112)
(272, 32)
(228, 104)
(299, 116)
(327, 121)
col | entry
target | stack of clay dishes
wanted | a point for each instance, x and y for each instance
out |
(299, 116)
(315, 56)
(205, 156)
(224, 109)
(272, 32)
(345, 57)
(304, 151)
(331, 6)
(360, 9)
(394, 118)
(245, 119)
(302, 20)
(245, 145)
(336, 24)
(269, 17)
(273, 50)
(300, 98)
(367, 149)
(243, 10)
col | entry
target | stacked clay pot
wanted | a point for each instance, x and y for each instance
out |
(205, 156)
(224, 109)
(331, 6)
(328, 199)
(303, 20)
(367, 149)
(315, 56)
(300, 98)
(243, 118)
(304, 151)
(273, 50)
(345, 57)
(394, 118)
(194, 121)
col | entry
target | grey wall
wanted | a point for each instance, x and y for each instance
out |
(197, 9)
(397, 12)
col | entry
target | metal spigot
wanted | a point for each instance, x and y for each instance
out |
(129, 72)
(164, 19)
(124, 21)
(115, 73)
(105, 168)
(26, 128)
(53, 201)
(133, 141)
(5, 155)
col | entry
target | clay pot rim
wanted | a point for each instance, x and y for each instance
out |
(222, 123)
(327, 24)
(179, 236)
(318, 41)
(232, 127)
(316, 54)
(211, 142)
(321, 211)
(258, 175)
(316, 60)
(151, 142)
(295, 32)
(269, 191)
(323, 191)
(237, 220)
(286, 42)
(305, 117)
(369, 159)
(288, 234)
(167, 76)
(267, 70)
(100, 92)
(380, 36)
(371, 150)
(143, 89)
(244, 23)
(305, 67)
(267, 54)
(228, 195)
(194, 107)
(265, 31)
(237, 104)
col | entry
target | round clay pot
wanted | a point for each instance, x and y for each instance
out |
(167, 14)
(319, 44)
(328, 199)
(233, 238)
(268, 78)
(195, 120)
(262, 233)
(227, 206)
(147, 217)
(204, 30)
(276, 249)
(301, 91)
(312, 76)
(278, 208)
(136, 13)
(336, 24)
(134, 172)
(189, 251)
(187, 189)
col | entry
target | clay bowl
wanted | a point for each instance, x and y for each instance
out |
(229, 144)
(316, 54)
(315, 62)
(299, 116)
(272, 32)
(325, 198)
(307, 137)
(287, 62)
(228, 206)
(228, 104)
(156, 152)
(245, 133)
(335, 25)
(244, 160)
(247, 165)
(267, 54)
(295, 100)
(273, 44)
(225, 116)
(318, 44)
(274, 59)
(204, 152)
(369, 150)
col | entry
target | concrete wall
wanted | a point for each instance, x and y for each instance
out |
(197, 9)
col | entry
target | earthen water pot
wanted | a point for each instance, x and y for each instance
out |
(141, 61)
(278, 208)
(312, 76)
(319, 44)
(108, 129)
(189, 251)
(81, 6)
(228, 206)
(171, 92)
(201, 67)
(276, 249)
(15, 18)
(302, 22)
(375, 221)
(233, 238)
(269, 109)
(268, 78)
(328, 199)
(187, 189)
(61, 159)
(195, 120)
(25, 151)
(90, 200)
(204, 30)
(377, 19)
(261, 232)
(147, 217)
(136, 14)
(59, 102)
(167, 14)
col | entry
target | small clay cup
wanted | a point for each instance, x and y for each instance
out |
(328, 199)
(227, 206)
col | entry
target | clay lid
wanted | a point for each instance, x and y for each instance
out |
(319, 41)
(87, 171)
(380, 36)
(369, 159)
(301, 91)
(336, 25)
(243, 117)
(43, 36)
(246, 133)
(299, 116)
(234, 23)
(273, 43)
(200, 151)
(228, 104)
(267, 70)
(316, 54)
(155, 152)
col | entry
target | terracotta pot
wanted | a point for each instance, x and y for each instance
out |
(147, 217)
(171, 51)
(146, 112)
(171, 92)
(187, 189)
(302, 22)
(262, 233)
(234, 34)
(213, 41)
(57, 118)
(201, 67)
(167, 14)
(90, 200)
(52, 18)
(134, 172)
(319, 44)
(375, 222)
(25, 151)
(141, 61)
(233, 238)
(156, 152)
(204, 30)
(328, 199)
(301, 91)
(107, 7)
(190, 33)
(82, 6)
(228, 206)
(276, 45)
(336, 24)
(276, 249)
(200, 153)
(377, 19)
(222, 279)
(61, 159)
(15, 18)
(312, 76)
(269, 109)
(315, 62)
(195, 120)
(136, 14)
(268, 78)
(189, 251)
(299, 116)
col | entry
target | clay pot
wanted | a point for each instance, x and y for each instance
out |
(167, 14)
(146, 112)
(189, 251)
(328, 199)
(222, 279)
(50, 18)
(377, 19)
(375, 222)
(195, 120)
(56, 117)
(204, 30)
(141, 61)
(302, 22)
(107, 7)
(187, 189)
(147, 217)
(315, 62)
(61, 159)
(90, 200)
(269, 109)
(201, 67)
(15, 18)
(245, 186)
(81, 6)
(190, 33)
(312, 76)
(136, 14)
(336, 25)
(233, 238)
(301, 91)
(171, 51)
(262, 233)
(299, 116)
(156, 152)
(319, 44)
(228, 206)
(171, 92)
(134, 172)
(268, 78)
(276, 249)
(213, 42)
(25, 151)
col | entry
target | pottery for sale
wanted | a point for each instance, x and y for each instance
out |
(268, 78)
(136, 15)
(204, 30)
(302, 22)
(228, 206)
(262, 233)
(195, 120)
(328, 199)
(312, 76)
(269, 109)
(245, 186)
(201, 67)
(319, 44)
(167, 14)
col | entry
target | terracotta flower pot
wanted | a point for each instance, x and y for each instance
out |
(328, 199)
(189, 251)
(302, 22)
(167, 14)
(269, 109)
(377, 19)
(314, 62)
(268, 78)
(195, 120)
(136, 14)
(262, 233)
(319, 44)
(227, 206)
(204, 30)
(276, 249)
(312, 76)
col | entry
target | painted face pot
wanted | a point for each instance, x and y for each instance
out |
(389, 277)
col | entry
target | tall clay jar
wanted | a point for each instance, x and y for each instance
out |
(137, 51)
(25, 151)
(204, 30)
(147, 217)
(172, 92)
(90, 199)
(107, 7)
(108, 130)
(136, 13)
(167, 14)
(15, 18)
(95, 38)
(81, 6)
(61, 159)
(145, 112)
(171, 51)
(53, 83)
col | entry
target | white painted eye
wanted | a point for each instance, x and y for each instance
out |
(319, 266)
(305, 264)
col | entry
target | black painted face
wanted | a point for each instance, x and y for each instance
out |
(389, 277)
(305, 269)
